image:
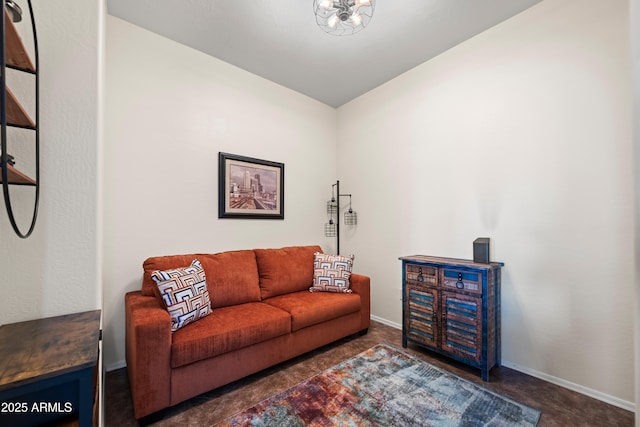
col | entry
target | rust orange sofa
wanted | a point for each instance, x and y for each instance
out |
(262, 314)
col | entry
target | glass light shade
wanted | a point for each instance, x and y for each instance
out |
(343, 17)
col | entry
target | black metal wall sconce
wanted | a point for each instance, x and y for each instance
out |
(332, 228)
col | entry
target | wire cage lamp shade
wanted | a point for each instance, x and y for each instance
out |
(330, 229)
(343, 17)
(350, 217)
(332, 207)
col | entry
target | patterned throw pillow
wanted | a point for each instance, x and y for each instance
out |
(184, 293)
(331, 273)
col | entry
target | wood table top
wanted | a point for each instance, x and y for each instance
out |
(38, 349)
(451, 261)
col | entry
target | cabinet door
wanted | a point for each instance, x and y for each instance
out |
(421, 315)
(462, 325)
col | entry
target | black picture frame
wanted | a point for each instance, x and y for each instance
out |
(250, 188)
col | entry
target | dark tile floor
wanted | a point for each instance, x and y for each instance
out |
(559, 406)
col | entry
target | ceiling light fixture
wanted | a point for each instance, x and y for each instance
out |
(343, 17)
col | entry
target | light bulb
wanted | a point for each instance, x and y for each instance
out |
(333, 21)
(356, 19)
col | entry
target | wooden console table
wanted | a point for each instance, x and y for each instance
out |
(48, 370)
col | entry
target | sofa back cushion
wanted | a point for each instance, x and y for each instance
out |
(285, 270)
(232, 277)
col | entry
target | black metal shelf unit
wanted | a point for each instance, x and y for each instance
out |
(14, 55)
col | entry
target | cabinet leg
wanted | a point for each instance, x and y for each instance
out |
(404, 342)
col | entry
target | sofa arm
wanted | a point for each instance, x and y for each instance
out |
(148, 352)
(361, 285)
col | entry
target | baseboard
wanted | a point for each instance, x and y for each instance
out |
(386, 322)
(620, 403)
(108, 367)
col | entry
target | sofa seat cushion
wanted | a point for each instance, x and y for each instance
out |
(227, 329)
(310, 308)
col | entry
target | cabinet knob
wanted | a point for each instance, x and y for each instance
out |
(460, 283)
(420, 277)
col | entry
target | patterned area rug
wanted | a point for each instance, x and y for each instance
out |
(384, 386)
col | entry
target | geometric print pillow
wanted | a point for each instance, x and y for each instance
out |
(331, 273)
(184, 293)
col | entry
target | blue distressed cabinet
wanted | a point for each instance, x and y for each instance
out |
(452, 306)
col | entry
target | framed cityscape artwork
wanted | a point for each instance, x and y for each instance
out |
(250, 188)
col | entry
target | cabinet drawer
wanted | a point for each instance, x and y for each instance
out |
(418, 274)
(461, 280)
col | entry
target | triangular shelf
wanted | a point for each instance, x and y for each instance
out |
(16, 54)
(16, 177)
(16, 115)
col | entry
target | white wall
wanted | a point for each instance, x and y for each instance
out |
(56, 270)
(169, 111)
(522, 134)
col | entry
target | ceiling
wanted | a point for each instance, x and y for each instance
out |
(280, 41)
